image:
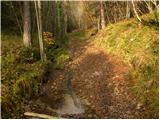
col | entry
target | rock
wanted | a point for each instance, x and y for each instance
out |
(139, 106)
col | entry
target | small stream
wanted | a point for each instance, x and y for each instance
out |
(72, 104)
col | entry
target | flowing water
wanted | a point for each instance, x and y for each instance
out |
(69, 106)
(72, 104)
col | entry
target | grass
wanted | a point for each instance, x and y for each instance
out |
(137, 44)
(22, 74)
(81, 34)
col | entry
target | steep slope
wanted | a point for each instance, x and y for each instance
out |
(137, 45)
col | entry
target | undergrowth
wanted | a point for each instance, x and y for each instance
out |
(23, 73)
(137, 44)
(82, 34)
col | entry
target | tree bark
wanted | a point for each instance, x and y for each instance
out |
(65, 16)
(98, 23)
(27, 25)
(40, 32)
(103, 22)
(128, 11)
(135, 11)
(107, 14)
(54, 17)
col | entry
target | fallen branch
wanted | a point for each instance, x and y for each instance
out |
(40, 115)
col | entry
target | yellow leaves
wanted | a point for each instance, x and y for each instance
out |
(48, 38)
(47, 34)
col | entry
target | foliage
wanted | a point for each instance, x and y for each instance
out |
(137, 45)
(28, 55)
(48, 38)
(10, 107)
(56, 54)
(61, 57)
(82, 34)
(60, 35)
(50, 45)
(22, 75)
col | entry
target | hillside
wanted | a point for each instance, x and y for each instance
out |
(80, 59)
(137, 45)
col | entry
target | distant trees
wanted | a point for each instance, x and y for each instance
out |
(59, 23)
(60, 17)
(27, 25)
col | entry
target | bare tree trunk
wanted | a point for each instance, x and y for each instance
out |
(148, 6)
(134, 8)
(54, 17)
(65, 16)
(120, 11)
(98, 23)
(128, 11)
(107, 15)
(27, 25)
(103, 22)
(39, 25)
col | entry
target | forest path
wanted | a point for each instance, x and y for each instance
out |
(99, 80)
(96, 80)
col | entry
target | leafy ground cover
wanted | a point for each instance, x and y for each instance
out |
(23, 73)
(137, 45)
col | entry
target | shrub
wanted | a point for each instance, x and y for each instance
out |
(28, 55)
(61, 57)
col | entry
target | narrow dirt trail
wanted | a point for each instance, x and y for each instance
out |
(93, 78)
(100, 81)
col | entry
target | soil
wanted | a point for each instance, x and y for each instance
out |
(93, 78)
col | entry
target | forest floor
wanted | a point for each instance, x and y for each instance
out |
(91, 85)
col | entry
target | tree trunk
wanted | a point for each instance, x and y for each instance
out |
(103, 22)
(65, 16)
(39, 25)
(60, 24)
(107, 14)
(128, 11)
(135, 11)
(27, 25)
(98, 23)
(54, 17)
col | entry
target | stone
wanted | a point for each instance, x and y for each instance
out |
(139, 106)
